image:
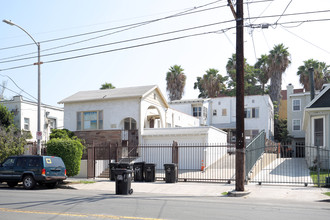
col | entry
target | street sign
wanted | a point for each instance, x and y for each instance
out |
(39, 135)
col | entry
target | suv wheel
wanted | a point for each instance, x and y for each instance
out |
(12, 184)
(29, 182)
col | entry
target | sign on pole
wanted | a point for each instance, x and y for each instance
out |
(39, 135)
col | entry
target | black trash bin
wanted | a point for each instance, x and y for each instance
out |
(123, 181)
(126, 166)
(138, 168)
(112, 166)
(150, 172)
(171, 173)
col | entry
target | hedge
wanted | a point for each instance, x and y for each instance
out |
(69, 150)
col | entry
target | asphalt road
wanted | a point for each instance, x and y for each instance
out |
(43, 203)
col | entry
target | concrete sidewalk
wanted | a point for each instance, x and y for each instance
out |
(299, 193)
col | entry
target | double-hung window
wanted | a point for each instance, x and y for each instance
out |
(92, 120)
(197, 111)
(296, 124)
(26, 124)
(318, 131)
(251, 113)
(296, 105)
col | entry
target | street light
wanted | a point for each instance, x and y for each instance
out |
(39, 133)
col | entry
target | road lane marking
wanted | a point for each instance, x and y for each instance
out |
(75, 214)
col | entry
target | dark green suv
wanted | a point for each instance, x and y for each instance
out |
(30, 170)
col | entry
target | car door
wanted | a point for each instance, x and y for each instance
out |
(7, 169)
(19, 168)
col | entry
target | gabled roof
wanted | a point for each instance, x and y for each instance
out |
(322, 99)
(107, 94)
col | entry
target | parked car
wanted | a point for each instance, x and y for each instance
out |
(32, 170)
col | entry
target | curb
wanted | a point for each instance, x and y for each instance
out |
(235, 193)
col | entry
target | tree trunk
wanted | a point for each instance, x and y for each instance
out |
(275, 89)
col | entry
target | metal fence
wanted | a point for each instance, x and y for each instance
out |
(266, 161)
(211, 163)
(288, 164)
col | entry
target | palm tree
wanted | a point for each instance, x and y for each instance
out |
(321, 74)
(278, 61)
(107, 86)
(231, 67)
(175, 82)
(213, 83)
(262, 71)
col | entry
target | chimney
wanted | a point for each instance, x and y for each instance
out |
(311, 81)
(289, 90)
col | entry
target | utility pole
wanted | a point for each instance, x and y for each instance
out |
(240, 137)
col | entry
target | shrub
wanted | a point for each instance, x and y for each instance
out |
(69, 150)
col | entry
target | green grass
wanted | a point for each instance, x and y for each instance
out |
(224, 193)
(86, 182)
(323, 175)
(327, 193)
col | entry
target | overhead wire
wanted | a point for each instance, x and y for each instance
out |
(128, 26)
(124, 41)
(283, 11)
(18, 86)
(138, 25)
(166, 33)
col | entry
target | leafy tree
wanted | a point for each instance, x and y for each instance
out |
(321, 74)
(107, 86)
(278, 61)
(250, 78)
(12, 141)
(281, 131)
(69, 150)
(6, 117)
(175, 82)
(211, 85)
(61, 133)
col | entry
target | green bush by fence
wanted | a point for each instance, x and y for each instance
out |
(69, 150)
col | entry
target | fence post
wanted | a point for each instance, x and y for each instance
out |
(318, 165)
(175, 152)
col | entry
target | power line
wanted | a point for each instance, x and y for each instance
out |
(137, 25)
(128, 26)
(283, 11)
(18, 86)
(306, 40)
(4, 87)
(252, 26)
(123, 41)
(161, 41)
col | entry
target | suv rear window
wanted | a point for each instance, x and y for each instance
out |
(53, 162)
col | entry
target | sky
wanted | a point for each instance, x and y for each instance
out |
(133, 43)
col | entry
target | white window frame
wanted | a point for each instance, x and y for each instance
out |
(293, 124)
(294, 110)
(313, 124)
(99, 120)
(214, 112)
(198, 111)
(27, 124)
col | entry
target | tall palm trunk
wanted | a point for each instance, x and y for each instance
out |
(275, 89)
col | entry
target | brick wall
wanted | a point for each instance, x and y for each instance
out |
(100, 136)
